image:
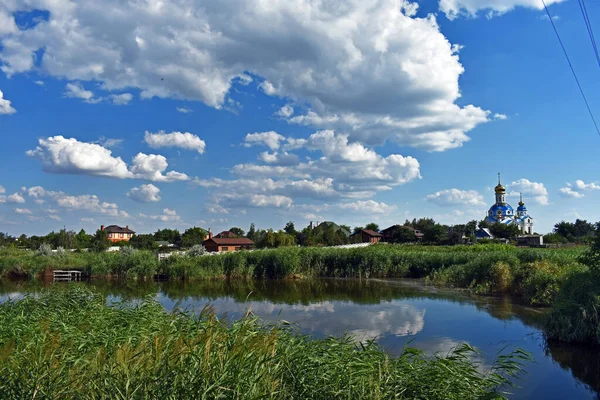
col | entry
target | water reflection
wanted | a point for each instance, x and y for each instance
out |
(394, 313)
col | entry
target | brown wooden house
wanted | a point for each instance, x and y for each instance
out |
(225, 244)
(365, 236)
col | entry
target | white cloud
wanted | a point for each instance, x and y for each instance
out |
(77, 91)
(60, 155)
(168, 215)
(184, 110)
(269, 139)
(372, 69)
(344, 170)
(500, 116)
(181, 140)
(23, 211)
(285, 111)
(121, 99)
(453, 197)
(15, 198)
(152, 167)
(88, 220)
(39, 83)
(84, 202)
(368, 207)
(470, 8)
(145, 193)
(5, 107)
(69, 156)
(576, 189)
(529, 189)
(108, 143)
(2, 190)
(54, 217)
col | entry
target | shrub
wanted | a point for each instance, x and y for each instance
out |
(197, 250)
(45, 250)
(501, 276)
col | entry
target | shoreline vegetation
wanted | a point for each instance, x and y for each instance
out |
(566, 279)
(70, 343)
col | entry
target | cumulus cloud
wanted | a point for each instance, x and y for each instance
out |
(343, 170)
(530, 189)
(60, 155)
(269, 139)
(121, 99)
(77, 91)
(285, 111)
(145, 193)
(578, 188)
(5, 107)
(181, 140)
(368, 207)
(371, 68)
(471, 8)
(168, 215)
(23, 211)
(15, 198)
(454, 197)
(86, 202)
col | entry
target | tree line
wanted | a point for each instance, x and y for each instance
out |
(327, 234)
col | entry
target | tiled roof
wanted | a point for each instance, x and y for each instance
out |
(117, 229)
(226, 234)
(230, 241)
(368, 232)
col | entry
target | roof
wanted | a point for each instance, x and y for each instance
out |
(117, 229)
(368, 232)
(336, 227)
(226, 234)
(230, 241)
(483, 232)
(417, 232)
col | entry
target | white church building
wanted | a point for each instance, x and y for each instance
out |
(503, 213)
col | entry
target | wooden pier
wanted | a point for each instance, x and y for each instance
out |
(66, 275)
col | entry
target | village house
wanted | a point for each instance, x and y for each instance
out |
(226, 244)
(365, 236)
(388, 233)
(117, 234)
(226, 234)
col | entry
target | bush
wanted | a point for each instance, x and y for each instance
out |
(45, 250)
(197, 250)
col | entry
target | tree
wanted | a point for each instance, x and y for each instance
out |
(168, 235)
(66, 239)
(252, 233)
(239, 232)
(82, 240)
(357, 229)
(346, 227)
(592, 257)
(143, 242)
(192, 237)
(403, 235)
(372, 226)
(290, 229)
(456, 233)
(483, 224)
(435, 234)
(100, 241)
(470, 228)
(504, 231)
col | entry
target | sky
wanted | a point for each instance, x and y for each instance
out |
(181, 113)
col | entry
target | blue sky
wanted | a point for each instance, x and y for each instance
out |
(175, 114)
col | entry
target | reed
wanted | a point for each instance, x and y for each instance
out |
(71, 344)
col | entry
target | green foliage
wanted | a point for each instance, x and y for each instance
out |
(70, 344)
(168, 235)
(580, 231)
(143, 242)
(372, 226)
(239, 232)
(196, 251)
(100, 241)
(504, 231)
(192, 237)
(45, 250)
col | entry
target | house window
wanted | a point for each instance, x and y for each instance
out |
(122, 235)
(110, 235)
(224, 248)
(238, 248)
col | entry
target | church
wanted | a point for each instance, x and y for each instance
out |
(503, 213)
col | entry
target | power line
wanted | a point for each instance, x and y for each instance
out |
(571, 66)
(588, 25)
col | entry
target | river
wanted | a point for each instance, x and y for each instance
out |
(395, 313)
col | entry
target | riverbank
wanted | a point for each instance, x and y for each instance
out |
(534, 274)
(68, 343)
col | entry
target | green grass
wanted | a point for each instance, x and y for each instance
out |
(71, 344)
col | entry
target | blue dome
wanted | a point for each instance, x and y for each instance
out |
(505, 209)
(522, 208)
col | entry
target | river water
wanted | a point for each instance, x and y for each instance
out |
(394, 313)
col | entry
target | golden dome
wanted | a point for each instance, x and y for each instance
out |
(499, 189)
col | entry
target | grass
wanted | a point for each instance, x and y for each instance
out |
(71, 344)
(534, 274)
